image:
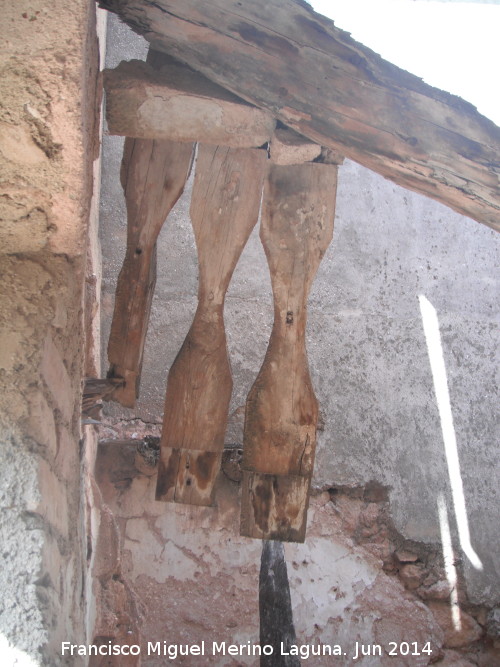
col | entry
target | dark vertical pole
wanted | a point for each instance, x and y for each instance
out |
(275, 607)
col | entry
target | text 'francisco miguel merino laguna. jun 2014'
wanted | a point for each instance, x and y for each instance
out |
(305, 651)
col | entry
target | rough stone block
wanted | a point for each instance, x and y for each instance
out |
(107, 558)
(53, 503)
(41, 425)
(454, 659)
(406, 556)
(9, 349)
(67, 463)
(52, 563)
(469, 630)
(438, 591)
(411, 575)
(57, 379)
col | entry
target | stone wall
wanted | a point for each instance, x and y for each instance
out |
(180, 575)
(49, 102)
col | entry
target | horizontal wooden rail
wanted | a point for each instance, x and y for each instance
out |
(173, 102)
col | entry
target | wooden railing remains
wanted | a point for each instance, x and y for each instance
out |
(309, 94)
(224, 210)
(153, 175)
(299, 179)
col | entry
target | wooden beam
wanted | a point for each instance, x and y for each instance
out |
(288, 147)
(173, 102)
(153, 175)
(282, 56)
(224, 209)
(281, 414)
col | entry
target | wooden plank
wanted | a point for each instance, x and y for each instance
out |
(224, 209)
(282, 56)
(153, 176)
(288, 147)
(281, 414)
(173, 102)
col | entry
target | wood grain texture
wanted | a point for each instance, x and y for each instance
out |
(282, 56)
(175, 103)
(281, 415)
(224, 209)
(288, 147)
(153, 175)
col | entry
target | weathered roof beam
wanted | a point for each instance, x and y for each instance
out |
(172, 102)
(283, 57)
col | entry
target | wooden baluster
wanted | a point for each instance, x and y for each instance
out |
(224, 209)
(281, 411)
(153, 175)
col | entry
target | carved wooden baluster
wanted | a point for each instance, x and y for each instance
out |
(281, 411)
(153, 175)
(224, 209)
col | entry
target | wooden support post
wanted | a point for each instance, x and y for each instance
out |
(281, 410)
(153, 175)
(224, 209)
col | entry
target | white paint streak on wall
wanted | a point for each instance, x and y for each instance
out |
(436, 359)
(451, 572)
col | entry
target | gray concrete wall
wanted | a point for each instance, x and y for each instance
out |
(366, 343)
